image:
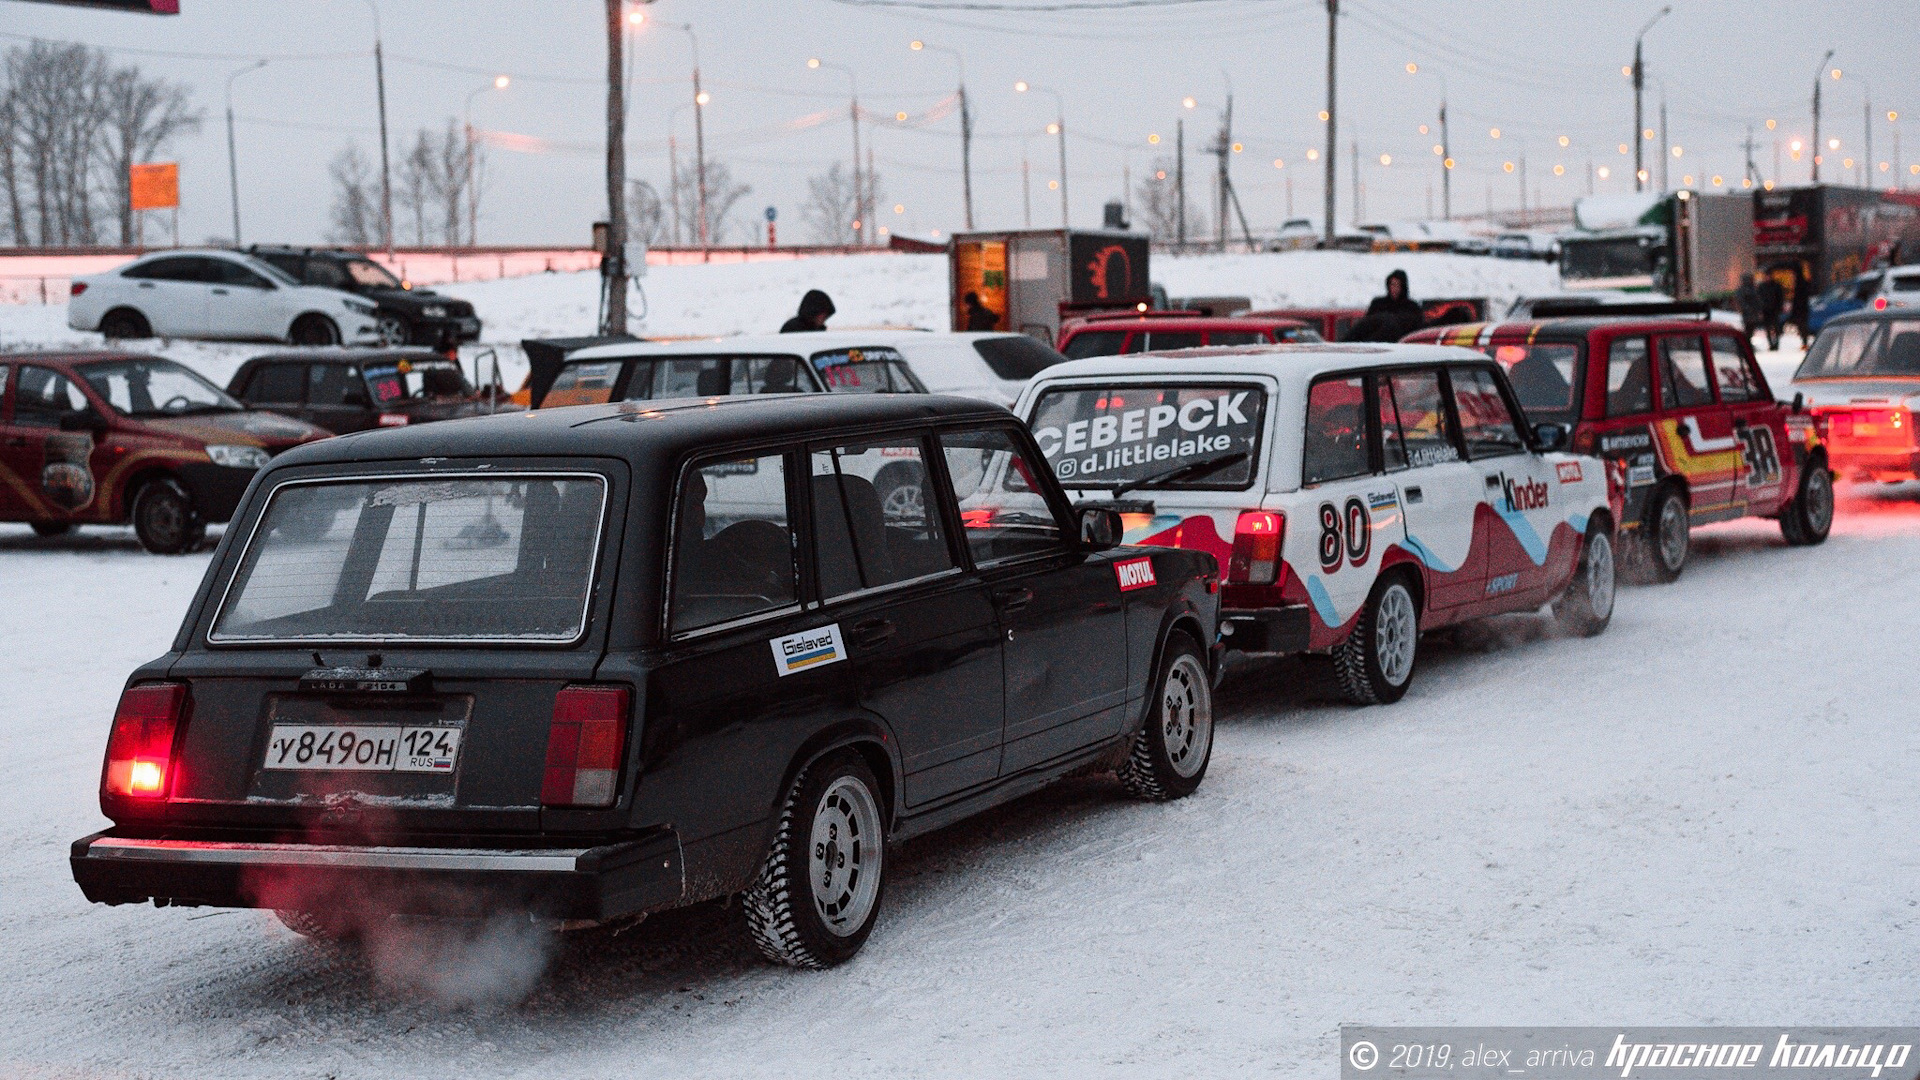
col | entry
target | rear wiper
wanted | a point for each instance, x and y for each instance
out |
(1183, 472)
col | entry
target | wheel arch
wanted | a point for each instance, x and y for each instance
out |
(293, 324)
(130, 487)
(119, 309)
(1179, 618)
(867, 736)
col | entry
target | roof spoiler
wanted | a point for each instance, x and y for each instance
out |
(1567, 309)
(545, 358)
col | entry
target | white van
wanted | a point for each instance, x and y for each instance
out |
(1355, 496)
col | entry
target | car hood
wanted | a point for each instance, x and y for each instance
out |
(249, 428)
(415, 299)
(1831, 392)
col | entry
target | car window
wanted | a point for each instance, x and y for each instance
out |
(324, 272)
(1906, 283)
(1160, 341)
(1296, 334)
(1487, 425)
(1424, 424)
(587, 383)
(1094, 343)
(1866, 287)
(278, 384)
(1393, 446)
(866, 371)
(336, 384)
(410, 379)
(1545, 379)
(1902, 356)
(1629, 386)
(871, 522)
(1236, 337)
(733, 550)
(1002, 508)
(1152, 437)
(1683, 374)
(1736, 377)
(173, 268)
(1336, 442)
(1017, 357)
(371, 274)
(44, 396)
(232, 273)
(690, 378)
(155, 387)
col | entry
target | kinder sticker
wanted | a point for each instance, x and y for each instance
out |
(1134, 573)
(808, 649)
(1569, 472)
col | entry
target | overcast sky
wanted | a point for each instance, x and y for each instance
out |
(1536, 69)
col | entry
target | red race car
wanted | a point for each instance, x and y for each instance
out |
(1682, 416)
(1159, 331)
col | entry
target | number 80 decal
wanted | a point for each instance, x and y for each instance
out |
(1345, 533)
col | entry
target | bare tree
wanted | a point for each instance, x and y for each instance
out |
(432, 185)
(722, 195)
(833, 205)
(1158, 200)
(142, 116)
(356, 197)
(10, 166)
(646, 215)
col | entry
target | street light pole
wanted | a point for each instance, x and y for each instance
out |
(473, 192)
(699, 136)
(386, 177)
(1333, 115)
(1446, 151)
(966, 127)
(1059, 130)
(861, 224)
(613, 261)
(1639, 85)
(1818, 147)
(233, 167)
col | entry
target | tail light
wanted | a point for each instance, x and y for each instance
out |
(585, 746)
(76, 288)
(1879, 303)
(1257, 537)
(140, 750)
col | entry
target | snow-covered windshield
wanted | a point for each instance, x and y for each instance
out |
(155, 388)
(1873, 349)
(1187, 436)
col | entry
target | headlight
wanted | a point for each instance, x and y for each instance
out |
(359, 306)
(238, 457)
(434, 311)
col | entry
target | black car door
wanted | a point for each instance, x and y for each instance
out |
(921, 633)
(1062, 621)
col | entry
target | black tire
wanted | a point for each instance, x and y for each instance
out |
(317, 926)
(164, 518)
(125, 323)
(51, 528)
(1660, 552)
(314, 330)
(393, 330)
(1586, 607)
(1808, 516)
(814, 902)
(1374, 665)
(1175, 742)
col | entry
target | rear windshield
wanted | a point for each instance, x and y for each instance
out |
(407, 380)
(1095, 343)
(1876, 349)
(504, 558)
(1546, 378)
(1017, 358)
(866, 371)
(1192, 437)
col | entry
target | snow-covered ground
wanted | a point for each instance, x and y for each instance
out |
(1704, 816)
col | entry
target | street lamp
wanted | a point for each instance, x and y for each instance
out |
(1639, 83)
(860, 215)
(1446, 150)
(700, 99)
(1059, 128)
(1817, 77)
(233, 168)
(500, 82)
(966, 126)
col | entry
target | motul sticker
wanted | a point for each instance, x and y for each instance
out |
(1134, 573)
(1569, 472)
(808, 649)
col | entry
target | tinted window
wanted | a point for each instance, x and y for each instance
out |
(1629, 386)
(1094, 343)
(1161, 342)
(871, 522)
(175, 268)
(232, 273)
(1017, 358)
(278, 384)
(1423, 417)
(1906, 283)
(1001, 506)
(1683, 374)
(1486, 424)
(587, 383)
(287, 264)
(733, 551)
(335, 384)
(1393, 445)
(1336, 442)
(1545, 378)
(325, 272)
(44, 396)
(1152, 436)
(1738, 381)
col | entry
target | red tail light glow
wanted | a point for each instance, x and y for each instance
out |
(76, 288)
(140, 750)
(585, 746)
(1879, 303)
(1257, 538)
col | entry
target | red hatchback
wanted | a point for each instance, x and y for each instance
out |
(1159, 331)
(1680, 413)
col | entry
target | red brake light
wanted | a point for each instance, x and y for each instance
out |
(1257, 539)
(140, 750)
(585, 746)
(76, 288)
(1879, 303)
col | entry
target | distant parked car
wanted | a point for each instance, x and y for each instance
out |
(990, 366)
(1897, 287)
(217, 295)
(1861, 381)
(843, 362)
(108, 438)
(406, 315)
(353, 390)
(1160, 331)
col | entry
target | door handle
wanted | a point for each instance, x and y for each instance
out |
(219, 292)
(146, 284)
(872, 632)
(1014, 599)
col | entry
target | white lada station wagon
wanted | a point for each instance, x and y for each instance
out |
(1356, 495)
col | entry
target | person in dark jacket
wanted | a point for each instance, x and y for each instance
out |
(979, 316)
(815, 309)
(1390, 317)
(1802, 303)
(1773, 303)
(1747, 299)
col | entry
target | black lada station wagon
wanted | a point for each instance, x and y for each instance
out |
(600, 661)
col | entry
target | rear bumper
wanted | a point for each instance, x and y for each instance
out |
(597, 883)
(1265, 630)
(1863, 463)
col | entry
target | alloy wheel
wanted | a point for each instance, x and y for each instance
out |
(1186, 715)
(1395, 634)
(844, 855)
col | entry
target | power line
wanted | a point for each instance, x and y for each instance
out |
(1073, 5)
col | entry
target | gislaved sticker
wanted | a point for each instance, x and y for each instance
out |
(808, 649)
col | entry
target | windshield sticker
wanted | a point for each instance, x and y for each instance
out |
(1194, 436)
(808, 649)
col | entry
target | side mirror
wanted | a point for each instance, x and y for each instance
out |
(1549, 437)
(1799, 403)
(83, 420)
(1100, 528)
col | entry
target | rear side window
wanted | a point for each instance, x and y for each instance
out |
(1683, 374)
(589, 383)
(717, 376)
(733, 550)
(335, 384)
(1486, 424)
(232, 273)
(1545, 379)
(428, 559)
(1093, 343)
(1424, 426)
(175, 268)
(1737, 379)
(871, 522)
(1019, 357)
(1336, 442)
(1003, 511)
(1161, 342)
(44, 396)
(324, 272)
(278, 384)
(1393, 446)
(1629, 386)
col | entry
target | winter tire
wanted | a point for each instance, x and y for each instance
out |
(164, 519)
(1808, 516)
(315, 925)
(1175, 741)
(1665, 537)
(1374, 665)
(818, 893)
(1586, 608)
(314, 330)
(51, 528)
(124, 323)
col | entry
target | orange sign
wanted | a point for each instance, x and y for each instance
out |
(156, 185)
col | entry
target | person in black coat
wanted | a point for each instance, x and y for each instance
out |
(979, 316)
(1747, 299)
(1802, 303)
(1390, 317)
(1773, 303)
(815, 309)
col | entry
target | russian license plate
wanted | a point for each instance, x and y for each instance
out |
(364, 748)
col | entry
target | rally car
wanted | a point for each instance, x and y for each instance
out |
(1358, 495)
(346, 390)
(595, 662)
(1861, 381)
(1682, 416)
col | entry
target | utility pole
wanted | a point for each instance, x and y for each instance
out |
(673, 183)
(1333, 115)
(1446, 165)
(1753, 171)
(1639, 84)
(699, 139)
(1356, 182)
(1666, 148)
(1867, 119)
(1180, 182)
(966, 152)
(233, 166)
(1819, 147)
(386, 175)
(613, 262)
(1026, 187)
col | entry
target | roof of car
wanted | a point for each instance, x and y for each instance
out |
(1294, 363)
(73, 356)
(1162, 322)
(348, 355)
(1872, 315)
(1576, 327)
(635, 428)
(804, 344)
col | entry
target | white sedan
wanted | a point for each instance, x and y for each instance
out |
(216, 295)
